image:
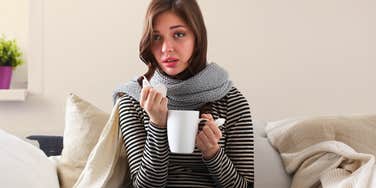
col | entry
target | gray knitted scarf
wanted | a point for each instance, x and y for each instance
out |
(208, 85)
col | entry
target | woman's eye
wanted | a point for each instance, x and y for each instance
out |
(179, 35)
(156, 37)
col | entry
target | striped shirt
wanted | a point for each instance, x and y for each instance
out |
(152, 165)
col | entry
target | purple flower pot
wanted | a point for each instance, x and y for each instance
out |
(5, 76)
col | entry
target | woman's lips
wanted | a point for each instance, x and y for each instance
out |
(170, 64)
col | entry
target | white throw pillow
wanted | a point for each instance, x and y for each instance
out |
(24, 165)
(83, 125)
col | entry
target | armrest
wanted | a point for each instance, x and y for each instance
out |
(269, 170)
(50, 145)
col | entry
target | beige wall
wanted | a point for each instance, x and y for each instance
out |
(289, 58)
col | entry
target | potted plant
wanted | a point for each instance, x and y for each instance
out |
(10, 58)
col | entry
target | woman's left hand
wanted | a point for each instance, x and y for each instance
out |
(207, 139)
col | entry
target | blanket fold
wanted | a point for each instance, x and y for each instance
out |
(328, 151)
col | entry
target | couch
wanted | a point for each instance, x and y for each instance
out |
(268, 167)
(269, 171)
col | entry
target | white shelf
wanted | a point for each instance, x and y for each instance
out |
(13, 94)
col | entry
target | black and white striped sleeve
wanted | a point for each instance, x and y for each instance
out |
(233, 165)
(147, 148)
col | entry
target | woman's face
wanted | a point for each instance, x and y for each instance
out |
(172, 43)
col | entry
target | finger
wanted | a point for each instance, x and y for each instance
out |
(151, 96)
(158, 98)
(149, 103)
(207, 116)
(199, 143)
(144, 95)
(204, 140)
(217, 132)
(164, 101)
(212, 139)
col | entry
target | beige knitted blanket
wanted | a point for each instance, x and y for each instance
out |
(328, 152)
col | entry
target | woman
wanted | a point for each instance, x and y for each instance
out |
(174, 47)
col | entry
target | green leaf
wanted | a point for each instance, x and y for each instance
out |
(10, 53)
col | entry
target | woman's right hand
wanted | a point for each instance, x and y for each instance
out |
(155, 105)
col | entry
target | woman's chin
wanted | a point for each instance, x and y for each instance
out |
(172, 72)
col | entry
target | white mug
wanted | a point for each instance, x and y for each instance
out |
(182, 127)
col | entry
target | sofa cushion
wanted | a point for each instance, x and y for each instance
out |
(83, 125)
(259, 128)
(269, 171)
(24, 165)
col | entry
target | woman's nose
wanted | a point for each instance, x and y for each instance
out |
(167, 46)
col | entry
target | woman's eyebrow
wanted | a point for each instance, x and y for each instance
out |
(172, 27)
(176, 26)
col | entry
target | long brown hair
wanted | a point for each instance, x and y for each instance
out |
(190, 13)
